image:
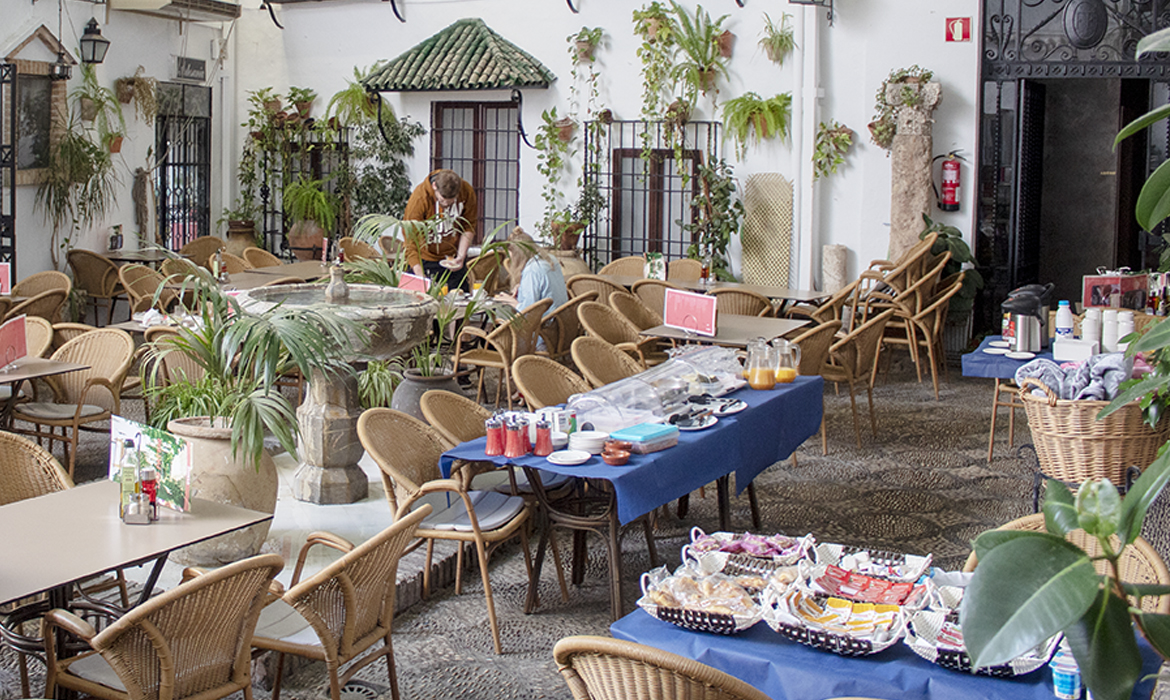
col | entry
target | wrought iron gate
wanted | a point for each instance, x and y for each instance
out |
(8, 165)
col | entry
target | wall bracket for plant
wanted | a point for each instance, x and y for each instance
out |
(394, 6)
(827, 4)
(570, 4)
(518, 98)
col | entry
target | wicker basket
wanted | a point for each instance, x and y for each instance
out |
(1074, 446)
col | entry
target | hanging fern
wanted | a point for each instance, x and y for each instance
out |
(750, 115)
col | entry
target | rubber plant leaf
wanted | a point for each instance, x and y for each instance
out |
(1153, 204)
(1149, 384)
(1158, 632)
(1023, 592)
(991, 539)
(1103, 643)
(1060, 513)
(1158, 41)
(1152, 117)
(1098, 507)
(1141, 495)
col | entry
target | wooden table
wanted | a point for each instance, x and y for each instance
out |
(307, 270)
(26, 369)
(733, 330)
(150, 256)
(775, 293)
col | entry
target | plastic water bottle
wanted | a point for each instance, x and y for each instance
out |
(1064, 321)
(1066, 675)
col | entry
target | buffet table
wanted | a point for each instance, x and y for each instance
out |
(786, 670)
(1003, 370)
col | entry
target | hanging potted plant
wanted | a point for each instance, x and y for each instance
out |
(750, 115)
(552, 162)
(726, 42)
(832, 143)
(314, 210)
(78, 186)
(585, 42)
(302, 100)
(142, 91)
(650, 20)
(697, 38)
(778, 42)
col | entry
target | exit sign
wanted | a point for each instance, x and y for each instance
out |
(958, 29)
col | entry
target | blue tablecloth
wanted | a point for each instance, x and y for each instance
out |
(980, 364)
(775, 423)
(785, 670)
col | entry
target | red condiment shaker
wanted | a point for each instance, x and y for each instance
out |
(544, 446)
(495, 437)
(514, 442)
(525, 435)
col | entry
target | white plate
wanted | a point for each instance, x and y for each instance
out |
(568, 458)
(729, 407)
(1000, 344)
(996, 351)
(1020, 355)
(704, 422)
(450, 264)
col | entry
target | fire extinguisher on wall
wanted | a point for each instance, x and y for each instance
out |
(951, 181)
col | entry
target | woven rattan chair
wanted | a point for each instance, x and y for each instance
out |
(742, 302)
(1139, 562)
(500, 348)
(562, 326)
(545, 382)
(579, 284)
(42, 282)
(602, 363)
(98, 276)
(853, 359)
(146, 288)
(489, 271)
(348, 606)
(200, 250)
(46, 304)
(5, 306)
(814, 353)
(629, 266)
(407, 451)
(357, 250)
(601, 668)
(84, 397)
(190, 642)
(928, 325)
(457, 418)
(601, 321)
(653, 293)
(258, 257)
(176, 270)
(684, 270)
(38, 335)
(908, 304)
(234, 263)
(173, 365)
(634, 310)
(64, 332)
(390, 245)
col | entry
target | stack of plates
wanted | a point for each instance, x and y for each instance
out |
(591, 441)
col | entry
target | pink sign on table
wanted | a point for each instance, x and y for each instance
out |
(13, 340)
(413, 282)
(689, 311)
(5, 278)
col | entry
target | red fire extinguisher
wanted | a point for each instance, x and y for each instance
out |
(951, 179)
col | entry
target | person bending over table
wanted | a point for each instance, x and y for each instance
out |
(534, 274)
(450, 200)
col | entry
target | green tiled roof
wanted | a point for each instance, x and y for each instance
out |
(465, 56)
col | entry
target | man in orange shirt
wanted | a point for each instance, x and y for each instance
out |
(450, 200)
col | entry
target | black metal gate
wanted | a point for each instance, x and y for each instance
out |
(8, 165)
(183, 178)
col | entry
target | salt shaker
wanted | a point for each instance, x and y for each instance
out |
(1109, 330)
(544, 445)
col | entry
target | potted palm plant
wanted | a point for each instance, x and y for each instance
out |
(313, 209)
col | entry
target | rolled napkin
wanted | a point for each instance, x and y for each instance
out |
(1046, 372)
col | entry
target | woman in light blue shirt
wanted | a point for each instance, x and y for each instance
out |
(534, 273)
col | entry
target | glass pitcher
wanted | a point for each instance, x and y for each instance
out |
(760, 367)
(787, 360)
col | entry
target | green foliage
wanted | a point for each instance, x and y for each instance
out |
(108, 119)
(833, 142)
(353, 105)
(1153, 203)
(377, 383)
(1152, 392)
(381, 181)
(951, 239)
(552, 161)
(300, 95)
(697, 41)
(778, 41)
(308, 200)
(720, 211)
(145, 94)
(752, 116)
(884, 122)
(592, 37)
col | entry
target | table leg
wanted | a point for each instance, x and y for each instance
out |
(533, 600)
(722, 488)
(994, 414)
(10, 405)
(152, 579)
(614, 544)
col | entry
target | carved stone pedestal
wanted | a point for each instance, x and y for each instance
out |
(329, 445)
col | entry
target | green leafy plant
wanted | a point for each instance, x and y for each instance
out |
(951, 239)
(98, 104)
(353, 105)
(655, 25)
(376, 384)
(832, 143)
(581, 47)
(1153, 203)
(142, 90)
(302, 99)
(884, 123)
(553, 155)
(308, 200)
(778, 41)
(697, 41)
(584, 42)
(750, 115)
(719, 211)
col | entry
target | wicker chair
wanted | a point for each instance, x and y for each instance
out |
(653, 293)
(742, 302)
(258, 257)
(172, 364)
(601, 668)
(42, 282)
(814, 353)
(390, 245)
(544, 382)
(602, 363)
(629, 266)
(234, 263)
(853, 359)
(500, 348)
(634, 310)
(407, 452)
(84, 397)
(146, 288)
(200, 250)
(357, 250)
(46, 304)
(348, 605)
(908, 304)
(64, 332)
(684, 270)
(190, 642)
(176, 270)
(601, 321)
(457, 418)
(5, 305)
(580, 284)
(562, 326)
(38, 336)
(927, 325)
(98, 276)
(1139, 562)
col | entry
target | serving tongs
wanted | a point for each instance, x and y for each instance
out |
(690, 417)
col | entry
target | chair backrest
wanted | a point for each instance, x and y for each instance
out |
(859, 348)
(526, 329)
(357, 250)
(405, 449)
(27, 470)
(142, 284)
(173, 364)
(742, 302)
(177, 269)
(601, 363)
(490, 270)
(389, 245)
(41, 282)
(629, 266)
(95, 273)
(1139, 562)
(603, 322)
(64, 332)
(545, 382)
(814, 347)
(350, 603)
(166, 648)
(46, 304)
(684, 270)
(653, 293)
(108, 352)
(601, 668)
(38, 334)
(5, 307)
(562, 327)
(579, 284)
(457, 418)
(258, 257)
(634, 310)
(200, 250)
(234, 263)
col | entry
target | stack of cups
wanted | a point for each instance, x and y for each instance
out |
(1091, 326)
(1124, 327)
(1109, 330)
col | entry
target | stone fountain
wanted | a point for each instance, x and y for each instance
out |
(329, 446)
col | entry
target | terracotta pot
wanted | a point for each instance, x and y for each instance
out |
(565, 128)
(409, 392)
(217, 476)
(272, 106)
(605, 116)
(726, 42)
(571, 263)
(115, 144)
(306, 239)
(652, 26)
(565, 235)
(678, 113)
(124, 88)
(707, 80)
(584, 51)
(304, 108)
(241, 234)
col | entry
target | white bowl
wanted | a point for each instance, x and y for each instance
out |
(559, 440)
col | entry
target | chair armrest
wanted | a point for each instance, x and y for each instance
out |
(325, 539)
(192, 572)
(69, 622)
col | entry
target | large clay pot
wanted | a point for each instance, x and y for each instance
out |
(241, 234)
(305, 239)
(413, 385)
(217, 476)
(571, 263)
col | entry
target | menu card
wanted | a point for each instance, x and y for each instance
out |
(169, 454)
(689, 311)
(13, 340)
(5, 278)
(413, 283)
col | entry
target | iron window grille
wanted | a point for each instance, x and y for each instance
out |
(480, 142)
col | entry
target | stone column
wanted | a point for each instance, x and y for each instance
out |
(911, 195)
(329, 445)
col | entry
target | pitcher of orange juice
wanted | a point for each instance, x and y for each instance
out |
(787, 360)
(760, 368)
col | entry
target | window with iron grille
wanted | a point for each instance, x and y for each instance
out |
(182, 132)
(479, 140)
